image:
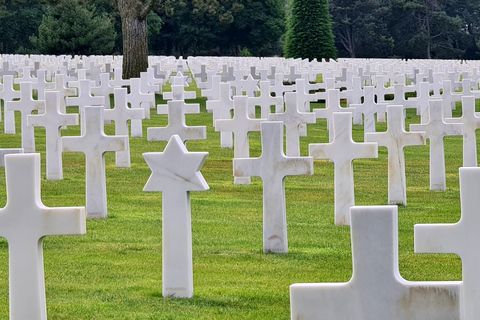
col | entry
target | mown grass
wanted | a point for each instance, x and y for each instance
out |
(114, 270)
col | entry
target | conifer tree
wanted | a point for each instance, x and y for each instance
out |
(309, 33)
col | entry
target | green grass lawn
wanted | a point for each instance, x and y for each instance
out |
(114, 271)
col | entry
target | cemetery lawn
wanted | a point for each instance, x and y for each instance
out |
(114, 271)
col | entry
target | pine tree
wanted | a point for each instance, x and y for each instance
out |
(309, 33)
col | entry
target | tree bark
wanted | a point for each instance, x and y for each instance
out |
(135, 36)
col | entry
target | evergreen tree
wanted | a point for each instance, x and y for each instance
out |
(309, 33)
(71, 28)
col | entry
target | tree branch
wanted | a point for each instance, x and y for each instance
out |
(146, 10)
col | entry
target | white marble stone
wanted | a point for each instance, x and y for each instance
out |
(175, 172)
(138, 100)
(52, 120)
(293, 118)
(25, 221)
(471, 122)
(459, 238)
(61, 86)
(265, 101)
(272, 167)
(121, 114)
(241, 124)
(396, 139)
(436, 129)
(176, 126)
(178, 93)
(342, 151)
(5, 151)
(8, 94)
(26, 105)
(94, 143)
(376, 289)
(332, 104)
(222, 109)
(369, 108)
(84, 99)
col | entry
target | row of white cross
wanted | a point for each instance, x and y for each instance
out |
(272, 167)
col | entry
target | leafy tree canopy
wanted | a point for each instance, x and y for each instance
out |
(70, 27)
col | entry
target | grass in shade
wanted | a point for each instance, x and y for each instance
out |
(114, 271)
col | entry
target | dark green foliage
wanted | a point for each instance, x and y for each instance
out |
(194, 29)
(73, 28)
(309, 32)
(360, 28)
(18, 20)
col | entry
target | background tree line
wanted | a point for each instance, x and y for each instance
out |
(364, 28)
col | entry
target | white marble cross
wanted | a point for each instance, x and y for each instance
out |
(376, 289)
(279, 88)
(94, 143)
(471, 122)
(396, 139)
(422, 101)
(265, 100)
(26, 105)
(461, 238)
(25, 221)
(60, 86)
(293, 118)
(8, 94)
(332, 104)
(222, 109)
(342, 151)
(42, 84)
(137, 99)
(121, 114)
(368, 109)
(213, 93)
(52, 120)
(272, 167)
(176, 125)
(436, 129)
(241, 124)
(178, 93)
(117, 80)
(84, 99)
(176, 172)
(104, 89)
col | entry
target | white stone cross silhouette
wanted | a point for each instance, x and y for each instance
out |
(376, 290)
(460, 238)
(436, 129)
(25, 221)
(342, 151)
(52, 120)
(273, 166)
(396, 139)
(94, 143)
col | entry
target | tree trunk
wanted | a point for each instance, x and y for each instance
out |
(135, 36)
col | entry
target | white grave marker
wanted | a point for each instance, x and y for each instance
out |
(272, 167)
(436, 129)
(342, 151)
(25, 222)
(175, 172)
(94, 143)
(396, 139)
(461, 238)
(26, 105)
(293, 118)
(376, 290)
(52, 120)
(240, 125)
